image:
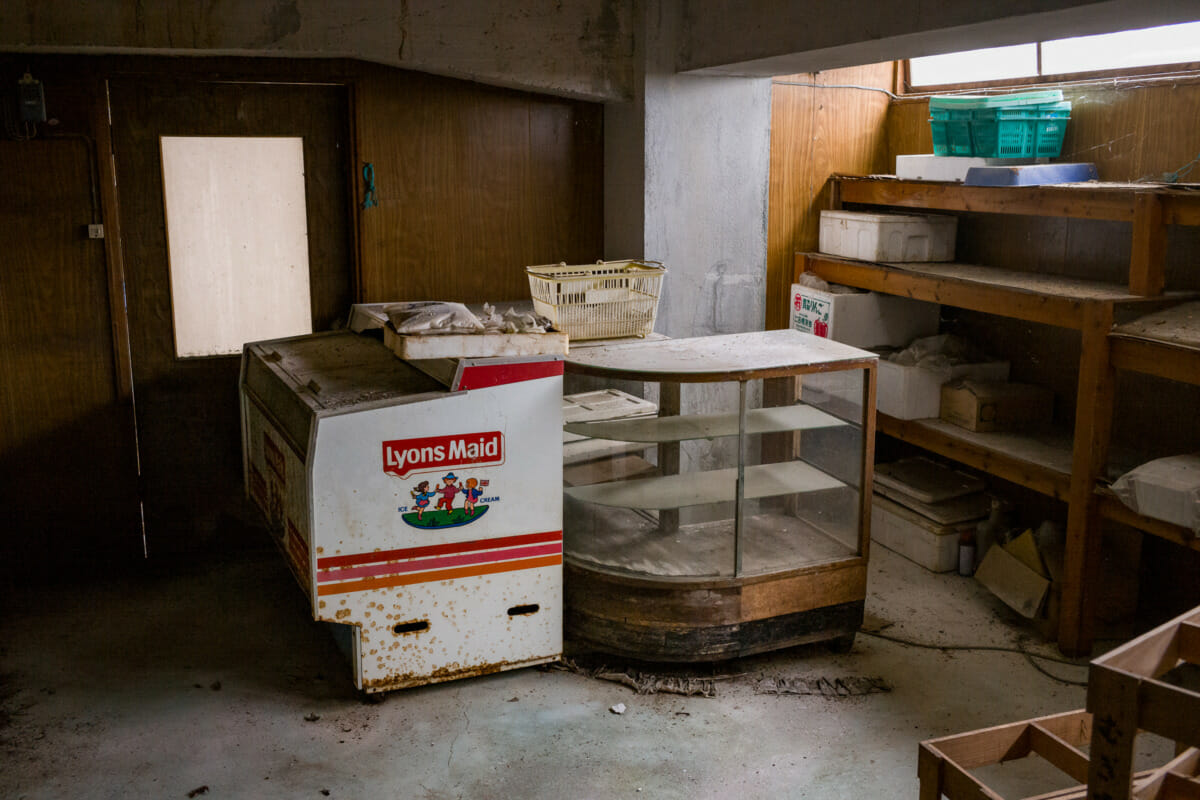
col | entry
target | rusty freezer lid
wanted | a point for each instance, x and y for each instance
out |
(298, 379)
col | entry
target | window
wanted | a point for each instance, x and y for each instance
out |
(1167, 44)
(237, 241)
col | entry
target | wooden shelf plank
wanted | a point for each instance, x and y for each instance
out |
(1156, 358)
(706, 426)
(1165, 343)
(1083, 200)
(1111, 507)
(1040, 462)
(715, 486)
(1030, 296)
(1108, 201)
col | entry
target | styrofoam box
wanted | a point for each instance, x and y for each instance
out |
(932, 545)
(888, 237)
(949, 168)
(862, 319)
(916, 392)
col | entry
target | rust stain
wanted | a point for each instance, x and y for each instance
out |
(449, 672)
(342, 613)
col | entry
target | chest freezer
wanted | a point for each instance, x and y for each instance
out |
(421, 516)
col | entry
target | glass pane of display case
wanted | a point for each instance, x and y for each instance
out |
(717, 479)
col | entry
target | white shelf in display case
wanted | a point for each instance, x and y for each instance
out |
(714, 486)
(706, 426)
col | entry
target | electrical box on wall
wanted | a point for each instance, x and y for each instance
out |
(32, 99)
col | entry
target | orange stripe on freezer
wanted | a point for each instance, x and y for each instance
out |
(439, 575)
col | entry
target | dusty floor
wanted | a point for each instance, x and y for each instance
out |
(214, 684)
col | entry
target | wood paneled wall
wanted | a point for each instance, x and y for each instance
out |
(472, 184)
(816, 132)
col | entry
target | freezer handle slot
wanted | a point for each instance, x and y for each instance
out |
(523, 611)
(416, 626)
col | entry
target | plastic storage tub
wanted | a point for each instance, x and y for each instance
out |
(888, 237)
(1029, 125)
(604, 300)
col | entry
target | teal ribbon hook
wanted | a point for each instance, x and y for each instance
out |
(369, 177)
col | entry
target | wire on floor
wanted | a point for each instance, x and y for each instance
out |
(996, 648)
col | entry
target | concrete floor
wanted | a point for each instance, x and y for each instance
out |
(216, 678)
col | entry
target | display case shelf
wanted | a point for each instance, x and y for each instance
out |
(1064, 466)
(713, 486)
(706, 426)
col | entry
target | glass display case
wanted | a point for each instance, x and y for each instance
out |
(733, 518)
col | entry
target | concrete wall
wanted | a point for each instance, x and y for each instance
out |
(781, 37)
(580, 48)
(700, 149)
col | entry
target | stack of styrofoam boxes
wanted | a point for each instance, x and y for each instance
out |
(921, 507)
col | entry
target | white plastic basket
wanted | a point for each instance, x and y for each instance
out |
(598, 301)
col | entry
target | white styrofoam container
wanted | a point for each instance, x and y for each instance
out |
(888, 237)
(948, 168)
(916, 392)
(862, 319)
(932, 545)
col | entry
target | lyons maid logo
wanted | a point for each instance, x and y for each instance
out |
(403, 457)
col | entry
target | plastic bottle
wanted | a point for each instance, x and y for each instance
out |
(966, 553)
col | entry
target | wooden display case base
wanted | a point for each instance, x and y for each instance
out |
(683, 620)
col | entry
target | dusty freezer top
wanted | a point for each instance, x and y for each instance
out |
(297, 379)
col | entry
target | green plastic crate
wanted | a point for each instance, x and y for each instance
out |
(1031, 125)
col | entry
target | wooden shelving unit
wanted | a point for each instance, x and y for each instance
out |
(1064, 465)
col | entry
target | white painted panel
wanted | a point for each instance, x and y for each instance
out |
(237, 238)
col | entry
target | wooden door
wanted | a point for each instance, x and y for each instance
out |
(187, 408)
(68, 476)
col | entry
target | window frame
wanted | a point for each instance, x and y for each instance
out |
(1188, 71)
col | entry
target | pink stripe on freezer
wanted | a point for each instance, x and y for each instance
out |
(418, 564)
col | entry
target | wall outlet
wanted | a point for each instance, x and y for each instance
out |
(95, 231)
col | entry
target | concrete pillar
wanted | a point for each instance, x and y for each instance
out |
(686, 171)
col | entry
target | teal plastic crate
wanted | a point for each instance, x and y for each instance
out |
(1030, 125)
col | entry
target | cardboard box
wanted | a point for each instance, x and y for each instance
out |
(862, 319)
(888, 237)
(916, 392)
(1021, 588)
(991, 406)
(932, 545)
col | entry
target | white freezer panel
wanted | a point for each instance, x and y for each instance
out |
(453, 629)
(458, 571)
(277, 482)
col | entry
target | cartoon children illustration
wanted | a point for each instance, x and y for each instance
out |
(448, 490)
(421, 497)
(472, 495)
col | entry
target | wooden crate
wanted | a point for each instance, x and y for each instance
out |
(1125, 695)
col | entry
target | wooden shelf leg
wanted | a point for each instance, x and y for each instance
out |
(1093, 423)
(1147, 261)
